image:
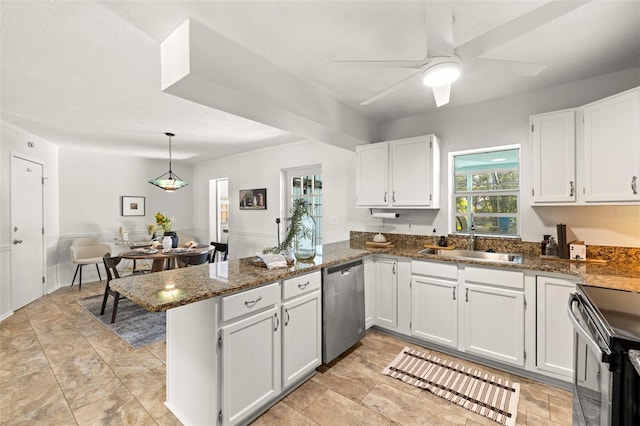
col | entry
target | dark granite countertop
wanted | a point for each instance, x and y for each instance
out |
(164, 290)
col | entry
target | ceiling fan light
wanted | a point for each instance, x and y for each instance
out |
(441, 74)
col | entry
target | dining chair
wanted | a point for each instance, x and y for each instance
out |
(219, 248)
(194, 260)
(87, 251)
(110, 265)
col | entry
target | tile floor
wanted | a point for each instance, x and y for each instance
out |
(61, 366)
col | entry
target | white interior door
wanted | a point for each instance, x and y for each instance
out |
(27, 258)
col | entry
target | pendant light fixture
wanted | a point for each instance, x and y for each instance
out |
(169, 181)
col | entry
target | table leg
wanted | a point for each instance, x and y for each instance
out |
(158, 265)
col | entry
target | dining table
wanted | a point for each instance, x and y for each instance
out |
(162, 258)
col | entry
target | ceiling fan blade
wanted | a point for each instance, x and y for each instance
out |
(414, 65)
(441, 94)
(515, 28)
(439, 21)
(525, 69)
(391, 89)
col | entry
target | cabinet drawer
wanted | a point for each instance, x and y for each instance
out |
(435, 269)
(496, 277)
(301, 285)
(250, 301)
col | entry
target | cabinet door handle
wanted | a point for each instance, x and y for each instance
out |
(394, 269)
(634, 185)
(466, 295)
(454, 292)
(277, 322)
(303, 286)
(393, 196)
(252, 303)
(385, 196)
(571, 188)
(286, 321)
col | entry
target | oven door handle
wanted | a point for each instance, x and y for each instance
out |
(604, 354)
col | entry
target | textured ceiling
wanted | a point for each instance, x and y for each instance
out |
(87, 74)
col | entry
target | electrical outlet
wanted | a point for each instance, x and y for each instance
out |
(333, 220)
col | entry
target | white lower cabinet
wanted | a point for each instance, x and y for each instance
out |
(301, 337)
(271, 338)
(369, 286)
(386, 293)
(251, 358)
(494, 323)
(492, 318)
(434, 304)
(554, 332)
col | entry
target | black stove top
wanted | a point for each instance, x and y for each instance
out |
(618, 312)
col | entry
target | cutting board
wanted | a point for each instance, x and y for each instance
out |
(386, 244)
(431, 246)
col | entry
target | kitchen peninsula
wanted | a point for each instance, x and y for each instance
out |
(212, 368)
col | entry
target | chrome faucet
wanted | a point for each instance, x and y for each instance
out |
(472, 232)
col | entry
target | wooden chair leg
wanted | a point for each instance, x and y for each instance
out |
(74, 275)
(104, 299)
(116, 296)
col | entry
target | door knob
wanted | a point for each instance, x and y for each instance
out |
(17, 241)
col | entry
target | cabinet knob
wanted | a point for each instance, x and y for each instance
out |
(634, 185)
(571, 188)
(385, 196)
(454, 292)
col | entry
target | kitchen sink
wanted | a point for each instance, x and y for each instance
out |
(477, 255)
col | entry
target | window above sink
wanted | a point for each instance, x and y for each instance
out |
(487, 183)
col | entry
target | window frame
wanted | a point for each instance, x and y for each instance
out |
(453, 195)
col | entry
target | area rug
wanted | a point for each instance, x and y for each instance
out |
(134, 324)
(491, 396)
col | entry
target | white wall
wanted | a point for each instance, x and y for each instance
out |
(250, 231)
(13, 141)
(91, 184)
(503, 122)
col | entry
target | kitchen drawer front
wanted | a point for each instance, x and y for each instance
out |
(250, 301)
(435, 269)
(495, 277)
(301, 285)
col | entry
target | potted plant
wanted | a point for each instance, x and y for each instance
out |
(301, 234)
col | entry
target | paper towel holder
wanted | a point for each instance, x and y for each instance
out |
(384, 215)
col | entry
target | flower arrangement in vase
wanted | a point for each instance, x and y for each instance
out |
(165, 223)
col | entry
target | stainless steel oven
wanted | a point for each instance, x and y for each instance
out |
(607, 326)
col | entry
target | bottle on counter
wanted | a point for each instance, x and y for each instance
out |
(443, 241)
(552, 247)
(543, 245)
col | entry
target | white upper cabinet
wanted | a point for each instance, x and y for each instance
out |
(401, 174)
(587, 155)
(612, 149)
(553, 144)
(372, 175)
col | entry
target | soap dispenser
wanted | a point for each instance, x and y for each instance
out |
(435, 237)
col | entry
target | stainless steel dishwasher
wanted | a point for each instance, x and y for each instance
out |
(342, 308)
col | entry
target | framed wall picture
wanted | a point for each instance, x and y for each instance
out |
(131, 206)
(253, 199)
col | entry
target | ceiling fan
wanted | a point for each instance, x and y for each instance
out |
(443, 63)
